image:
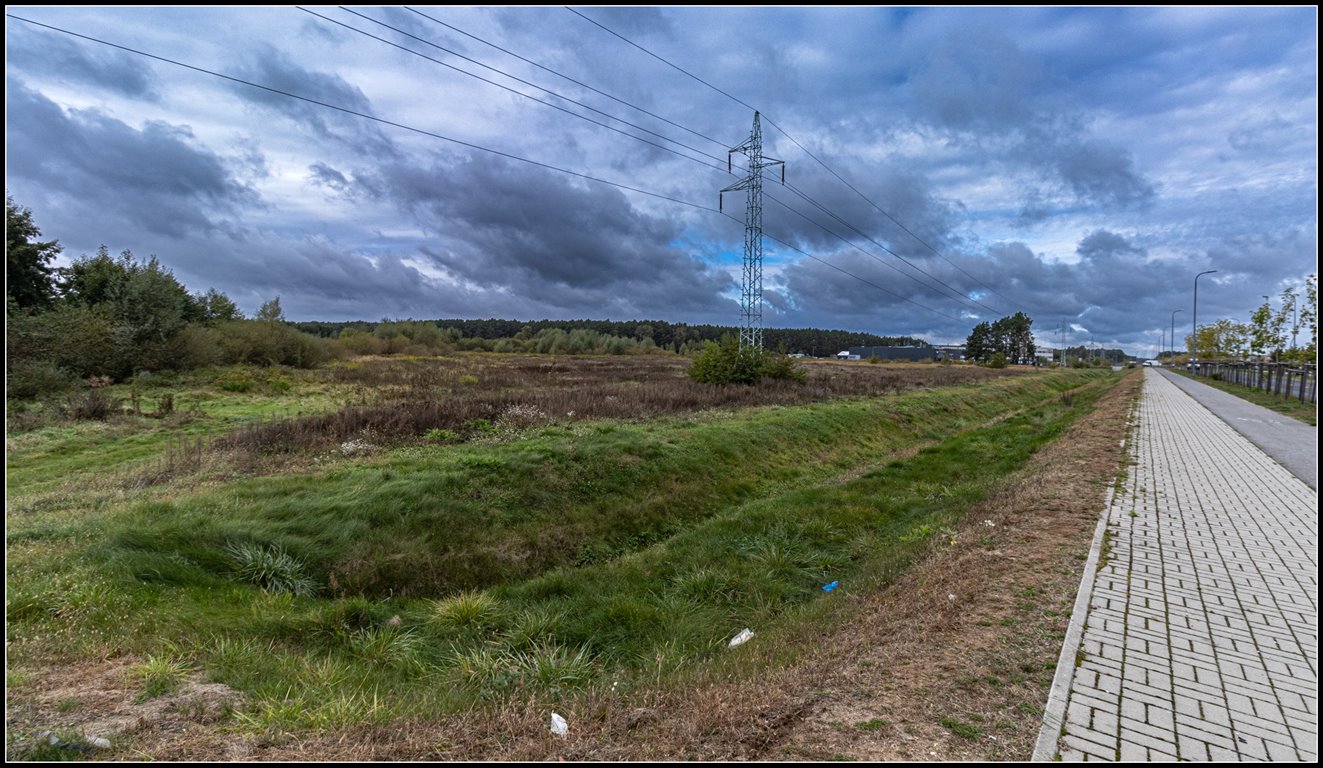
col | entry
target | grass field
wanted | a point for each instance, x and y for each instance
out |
(412, 539)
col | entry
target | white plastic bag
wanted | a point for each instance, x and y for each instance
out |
(743, 637)
(559, 726)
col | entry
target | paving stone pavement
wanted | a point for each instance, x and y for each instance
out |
(1201, 636)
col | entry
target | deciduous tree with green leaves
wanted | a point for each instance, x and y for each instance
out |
(29, 278)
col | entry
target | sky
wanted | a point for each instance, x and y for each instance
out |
(943, 166)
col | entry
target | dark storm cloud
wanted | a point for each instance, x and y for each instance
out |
(977, 79)
(978, 83)
(53, 55)
(274, 69)
(541, 235)
(157, 177)
(1104, 174)
(311, 273)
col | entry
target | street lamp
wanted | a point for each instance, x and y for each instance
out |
(1195, 339)
(1173, 336)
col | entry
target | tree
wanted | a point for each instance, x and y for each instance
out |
(1287, 314)
(271, 312)
(979, 345)
(1222, 339)
(1309, 317)
(216, 307)
(1265, 335)
(146, 306)
(1012, 337)
(29, 280)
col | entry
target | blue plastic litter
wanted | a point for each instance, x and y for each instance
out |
(830, 586)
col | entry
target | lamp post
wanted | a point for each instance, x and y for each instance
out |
(1195, 338)
(1173, 336)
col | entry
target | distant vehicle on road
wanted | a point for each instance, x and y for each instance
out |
(1157, 363)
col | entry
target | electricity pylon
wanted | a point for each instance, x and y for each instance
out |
(751, 295)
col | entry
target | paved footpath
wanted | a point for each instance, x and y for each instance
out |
(1197, 636)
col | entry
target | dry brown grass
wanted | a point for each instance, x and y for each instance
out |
(877, 685)
(401, 400)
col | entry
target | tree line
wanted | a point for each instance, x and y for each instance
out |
(675, 337)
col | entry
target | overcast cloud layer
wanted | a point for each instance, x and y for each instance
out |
(1080, 165)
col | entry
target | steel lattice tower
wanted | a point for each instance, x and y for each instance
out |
(751, 295)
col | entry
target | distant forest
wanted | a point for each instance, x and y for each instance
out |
(676, 337)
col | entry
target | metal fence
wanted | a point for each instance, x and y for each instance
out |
(1286, 380)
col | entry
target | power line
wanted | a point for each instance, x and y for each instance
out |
(851, 274)
(363, 115)
(957, 293)
(470, 145)
(879, 209)
(847, 242)
(788, 136)
(658, 58)
(571, 79)
(506, 74)
(748, 312)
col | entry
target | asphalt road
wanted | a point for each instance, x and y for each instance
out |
(1291, 443)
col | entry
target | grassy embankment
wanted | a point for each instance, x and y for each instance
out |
(564, 558)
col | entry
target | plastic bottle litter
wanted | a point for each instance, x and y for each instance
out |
(743, 637)
(558, 725)
(831, 586)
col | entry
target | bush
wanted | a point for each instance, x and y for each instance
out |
(779, 366)
(726, 363)
(998, 361)
(31, 379)
(271, 343)
(235, 381)
(94, 405)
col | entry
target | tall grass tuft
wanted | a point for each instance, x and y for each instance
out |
(271, 568)
(472, 611)
(386, 646)
(160, 675)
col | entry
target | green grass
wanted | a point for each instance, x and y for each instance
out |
(451, 575)
(1306, 412)
(961, 728)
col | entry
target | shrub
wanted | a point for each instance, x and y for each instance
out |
(94, 405)
(235, 381)
(998, 361)
(779, 366)
(441, 436)
(30, 379)
(726, 363)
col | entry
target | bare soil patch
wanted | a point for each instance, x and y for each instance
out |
(83, 700)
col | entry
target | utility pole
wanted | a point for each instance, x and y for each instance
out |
(751, 293)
